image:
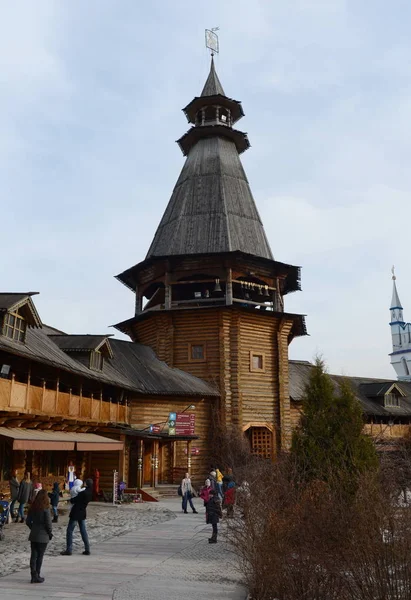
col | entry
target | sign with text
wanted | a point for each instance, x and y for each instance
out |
(185, 423)
(193, 451)
(181, 423)
(155, 428)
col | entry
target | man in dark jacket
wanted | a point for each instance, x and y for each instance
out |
(213, 514)
(78, 515)
(25, 490)
(14, 491)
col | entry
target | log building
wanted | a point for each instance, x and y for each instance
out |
(209, 337)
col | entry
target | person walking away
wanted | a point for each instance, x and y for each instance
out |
(41, 532)
(205, 491)
(78, 514)
(219, 481)
(213, 515)
(229, 499)
(187, 493)
(121, 487)
(54, 501)
(25, 490)
(14, 491)
(213, 481)
(227, 478)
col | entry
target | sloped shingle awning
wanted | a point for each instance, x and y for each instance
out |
(36, 439)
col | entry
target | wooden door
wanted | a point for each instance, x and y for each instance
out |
(147, 462)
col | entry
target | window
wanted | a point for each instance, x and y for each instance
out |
(261, 441)
(391, 400)
(14, 327)
(96, 361)
(257, 361)
(196, 352)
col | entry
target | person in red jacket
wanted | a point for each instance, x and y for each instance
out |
(205, 491)
(229, 499)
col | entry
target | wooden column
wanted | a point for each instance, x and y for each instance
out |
(168, 292)
(229, 287)
(283, 391)
(43, 393)
(173, 460)
(189, 456)
(57, 395)
(122, 460)
(27, 399)
(140, 453)
(154, 464)
(139, 302)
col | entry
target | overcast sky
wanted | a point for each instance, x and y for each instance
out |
(90, 108)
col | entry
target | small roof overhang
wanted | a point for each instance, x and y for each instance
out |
(37, 439)
(187, 141)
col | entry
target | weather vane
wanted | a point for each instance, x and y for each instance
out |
(393, 273)
(211, 40)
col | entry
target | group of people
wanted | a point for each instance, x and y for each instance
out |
(217, 493)
(39, 521)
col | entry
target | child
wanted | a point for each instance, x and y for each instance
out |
(54, 501)
(205, 491)
(213, 514)
(121, 487)
(76, 488)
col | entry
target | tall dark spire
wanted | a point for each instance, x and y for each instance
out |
(211, 210)
(213, 85)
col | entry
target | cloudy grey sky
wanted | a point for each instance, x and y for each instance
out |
(90, 105)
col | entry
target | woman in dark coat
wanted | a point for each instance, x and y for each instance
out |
(41, 532)
(78, 515)
(25, 491)
(213, 514)
(54, 501)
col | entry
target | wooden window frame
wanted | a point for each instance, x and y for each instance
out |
(392, 401)
(93, 367)
(254, 353)
(14, 327)
(197, 360)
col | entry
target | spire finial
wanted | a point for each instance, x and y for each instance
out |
(211, 40)
(393, 273)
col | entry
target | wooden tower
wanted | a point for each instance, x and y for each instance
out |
(209, 294)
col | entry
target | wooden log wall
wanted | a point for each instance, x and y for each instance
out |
(106, 463)
(229, 336)
(144, 412)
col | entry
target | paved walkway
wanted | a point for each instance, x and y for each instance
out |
(166, 561)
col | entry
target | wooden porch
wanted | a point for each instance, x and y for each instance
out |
(41, 401)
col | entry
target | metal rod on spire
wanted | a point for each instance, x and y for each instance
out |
(393, 273)
(211, 40)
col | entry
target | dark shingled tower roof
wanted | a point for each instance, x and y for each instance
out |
(212, 86)
(212, 209)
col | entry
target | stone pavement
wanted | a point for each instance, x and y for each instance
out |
(167, 561)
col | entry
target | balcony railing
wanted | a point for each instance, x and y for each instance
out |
(30, 399)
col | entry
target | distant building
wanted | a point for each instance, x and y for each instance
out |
(401, 338)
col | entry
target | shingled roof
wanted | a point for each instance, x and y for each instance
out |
(367, 390)
(79, 343)
(213, 85)
(212, 209)
(132, 367)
